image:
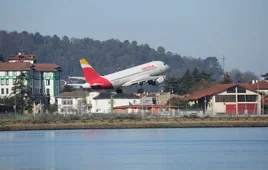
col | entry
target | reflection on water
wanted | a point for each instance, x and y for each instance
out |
(200, 148)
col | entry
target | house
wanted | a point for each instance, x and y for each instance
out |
(75, 102)
(162, 98)
(235, 99)
(148, 99)
(260, 86)
(43, 78)
(154, 109)
(104, 102)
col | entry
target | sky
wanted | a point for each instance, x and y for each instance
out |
(235, 29)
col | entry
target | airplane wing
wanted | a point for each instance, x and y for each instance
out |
(141, 80)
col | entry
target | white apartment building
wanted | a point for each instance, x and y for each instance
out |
(43, 78)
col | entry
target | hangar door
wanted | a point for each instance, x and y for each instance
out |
(230, 108)
(247, 108)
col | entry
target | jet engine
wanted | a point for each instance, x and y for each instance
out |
(160, 79)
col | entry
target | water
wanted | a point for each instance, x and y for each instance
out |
(135, 149)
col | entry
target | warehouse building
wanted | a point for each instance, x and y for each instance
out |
(237, 99)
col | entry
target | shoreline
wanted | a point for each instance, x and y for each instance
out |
(17, 125)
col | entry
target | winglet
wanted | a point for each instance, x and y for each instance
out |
(84, 63)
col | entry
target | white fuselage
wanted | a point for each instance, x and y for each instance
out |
(154, 68)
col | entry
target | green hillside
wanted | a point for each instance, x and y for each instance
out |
(105, 56)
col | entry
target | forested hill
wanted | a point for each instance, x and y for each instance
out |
(105, 56)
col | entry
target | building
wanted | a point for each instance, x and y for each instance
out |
(43, 78)
(104, 102)
(75, 102)
(22, 57)
(260, 86)
(235, 99)
(148, 99)
(163, 97)
(154, 109)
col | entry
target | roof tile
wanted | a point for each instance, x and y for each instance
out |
(15, 66)
(46, 67)
(216, 89)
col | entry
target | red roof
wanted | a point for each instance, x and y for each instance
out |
(21, 57)
(46, 67)
(21, 66)
(261, 85)
(14, 66)
(216, 89)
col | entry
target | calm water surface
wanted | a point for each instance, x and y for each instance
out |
(148, 149)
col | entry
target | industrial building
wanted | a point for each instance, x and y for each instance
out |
(237, 99)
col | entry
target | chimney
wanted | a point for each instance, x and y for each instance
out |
(253, 81)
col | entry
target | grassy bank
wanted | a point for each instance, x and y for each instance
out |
(100, 121)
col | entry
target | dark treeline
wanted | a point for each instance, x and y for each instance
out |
(105, 56)
(190, 82)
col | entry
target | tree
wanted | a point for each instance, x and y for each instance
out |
(205, 76)
(265, 76)
(65, 40)
(22, 93)
(38, 38)
(196, 75)
(174, 101)
(203, 84)
(171, 84)
(52, 108)
(248, 76)
(187, 80)
(134, 43)
(236, 76)
(226, 79)
(161, 50)
(67, 88)
(2, 58)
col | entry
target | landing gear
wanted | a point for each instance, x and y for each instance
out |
(119, 91)
(140, 90)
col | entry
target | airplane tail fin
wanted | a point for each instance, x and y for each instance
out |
(89, 73)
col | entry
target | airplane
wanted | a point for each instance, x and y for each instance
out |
(151, 73)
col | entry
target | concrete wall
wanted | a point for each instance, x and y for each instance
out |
(104, 105)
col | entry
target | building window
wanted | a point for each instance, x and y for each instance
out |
(231, 90)
(7, 81)
(241, 89)
(225, 98)
(67, 102)
(2, 91)
(14, 73)
(6, 73)
(2, 81)
(246, 98)
(47, 82)
(7, 91)
(48, 91)
(14, 81)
